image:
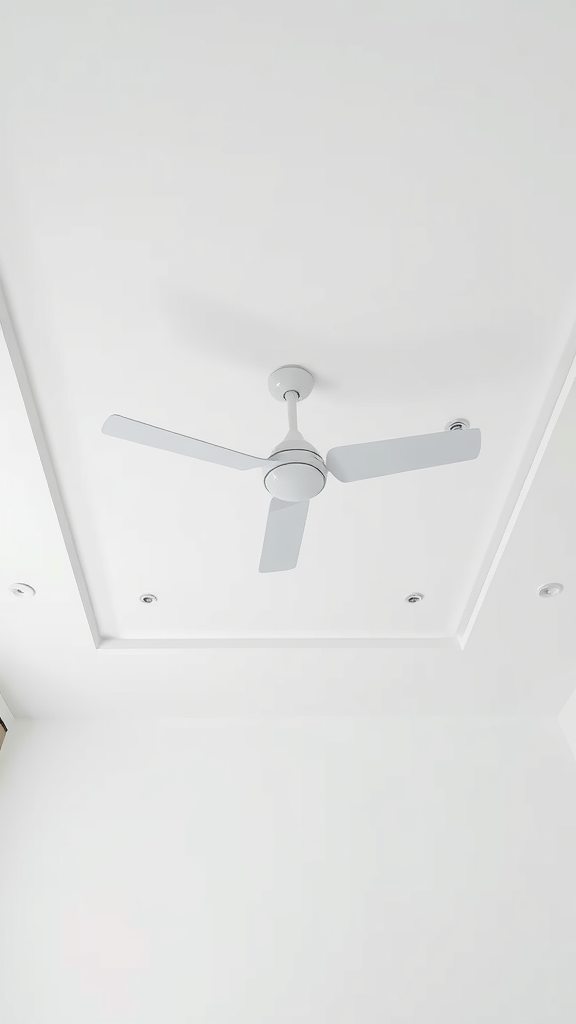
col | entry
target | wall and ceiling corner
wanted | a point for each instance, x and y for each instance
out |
(5, 714)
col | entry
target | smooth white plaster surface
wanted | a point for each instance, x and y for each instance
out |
(567, 720)
(304, 872)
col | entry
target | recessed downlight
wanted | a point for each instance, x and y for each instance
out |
(550, 590)
(21, 590)
(414, 598)
(459, 424)
(148, 598)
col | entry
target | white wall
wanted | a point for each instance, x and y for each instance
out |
(567, 720)
(306, 872)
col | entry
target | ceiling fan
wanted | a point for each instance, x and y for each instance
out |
(295, 472)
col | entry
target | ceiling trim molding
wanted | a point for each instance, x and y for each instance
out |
(177, 643)
(557, 393)
(561, 383)
(31, 407)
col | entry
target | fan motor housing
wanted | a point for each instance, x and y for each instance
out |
(298, 473)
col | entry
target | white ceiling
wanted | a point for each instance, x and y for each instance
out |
(190, 198)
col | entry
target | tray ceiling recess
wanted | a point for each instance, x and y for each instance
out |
(562, 382)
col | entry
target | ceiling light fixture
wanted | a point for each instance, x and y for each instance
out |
(148, 598)
(459, 424)
(415, 598)
(21, 590)
(550, 590)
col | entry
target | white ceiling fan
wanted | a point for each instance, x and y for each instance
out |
(295, 472)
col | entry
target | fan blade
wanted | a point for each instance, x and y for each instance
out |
(401, 454)
(283, 537)
(156, 437)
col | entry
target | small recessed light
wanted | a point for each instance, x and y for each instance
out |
(414, 598)
(459, 424)
(21, 590)
(148, 598)
(550, 590)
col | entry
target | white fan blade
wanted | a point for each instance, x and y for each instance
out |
(401, 454)
(156, 437)
(283, 537)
